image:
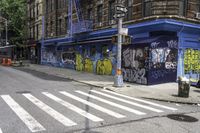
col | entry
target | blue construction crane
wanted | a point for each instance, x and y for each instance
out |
(81, 25)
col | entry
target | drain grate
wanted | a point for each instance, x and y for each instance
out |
(182, 118)
(22, 92)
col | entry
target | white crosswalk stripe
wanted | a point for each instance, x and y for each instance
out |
(129, 102)
(109, 112)
(1, 131)
(56, 115)
(112, 103)
(73, 108)
(140, 100)
(29, 121)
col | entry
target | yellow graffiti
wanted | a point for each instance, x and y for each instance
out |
(88, 66)
(79, 62)
(192, 61)
(104, 67)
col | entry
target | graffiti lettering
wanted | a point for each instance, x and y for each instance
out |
(172, 44)
(154, 44)
(133, 75)
(104, 67)
(170, 65)
(192, 61)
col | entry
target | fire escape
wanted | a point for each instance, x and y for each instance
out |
(82, 25)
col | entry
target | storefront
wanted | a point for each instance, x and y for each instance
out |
(161, 50)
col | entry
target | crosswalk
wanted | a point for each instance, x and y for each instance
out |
(116, 101)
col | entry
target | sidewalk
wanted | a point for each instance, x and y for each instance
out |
(164, 92)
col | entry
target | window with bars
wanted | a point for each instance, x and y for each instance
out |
(183, 7)
(89, 14)
(111, 10)
(99, 13)
(147, 11)
(129, 6)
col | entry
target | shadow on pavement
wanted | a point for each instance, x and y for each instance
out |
(197, 91)
(43, 75)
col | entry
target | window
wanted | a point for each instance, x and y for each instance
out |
(47, 6)
(147, 8)
(46, 29)
(183, 7)
(90, 14)
(111, 10)
(66, 24)
(99, 13)
(51, 27)
(51, 5)
(33, 32)
(30, 30)
(37, 31)
(37, 9)
(129, 5)
(60, 26)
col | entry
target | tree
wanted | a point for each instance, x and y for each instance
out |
(15, 12)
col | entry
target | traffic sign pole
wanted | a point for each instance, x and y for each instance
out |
(118, 79)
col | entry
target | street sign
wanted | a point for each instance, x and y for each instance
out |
(121, 8)
(116, 16)
(123, 31)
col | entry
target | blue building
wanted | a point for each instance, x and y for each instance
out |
(163, 47)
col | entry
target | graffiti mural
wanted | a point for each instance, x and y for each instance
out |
(163, 61)
(192, 61)
(104, 67)
(135, 64)
(163, 55)
(79, 62)
(88, 65)
(49, 56)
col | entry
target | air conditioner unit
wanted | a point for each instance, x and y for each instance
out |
(99, 2)
(112, 22)
(198, 15)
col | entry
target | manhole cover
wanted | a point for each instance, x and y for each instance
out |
(22, 92)
(182, 118)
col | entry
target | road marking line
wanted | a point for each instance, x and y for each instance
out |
(113, 104)
(140, 100)
(109, 112)
(28, 120)
(129, 102)
(1, 131)
(56, 115)
(72, 107)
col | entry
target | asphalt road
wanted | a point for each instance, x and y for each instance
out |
(31, 101)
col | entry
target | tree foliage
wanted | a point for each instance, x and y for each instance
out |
(15, 12)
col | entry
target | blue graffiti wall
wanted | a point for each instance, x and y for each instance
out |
(99, 59)
(151, 63)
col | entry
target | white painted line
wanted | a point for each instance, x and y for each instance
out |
(109, 112)
(140, 100)
(113, 104)
(28, 120)
(1, 131)
(73, 108)
(56, 115)
(129, 102)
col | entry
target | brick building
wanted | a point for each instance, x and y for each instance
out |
(165, 38)
(34, 27)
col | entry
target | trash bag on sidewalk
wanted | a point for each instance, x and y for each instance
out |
(183, 87)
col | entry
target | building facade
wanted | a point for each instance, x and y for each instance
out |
(165, 38)
(34, 18)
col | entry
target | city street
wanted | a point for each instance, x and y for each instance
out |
(32, 101)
